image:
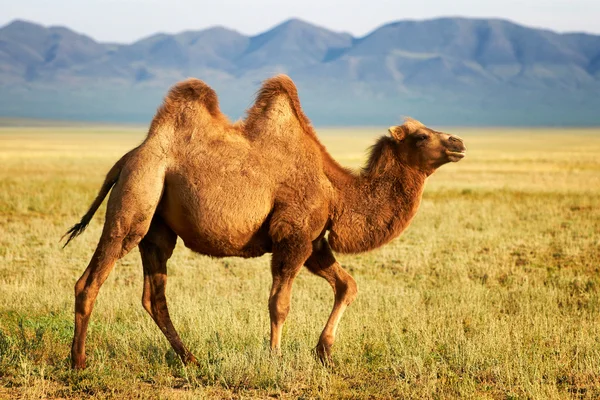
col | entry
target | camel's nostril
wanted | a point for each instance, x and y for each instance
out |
(457, 143)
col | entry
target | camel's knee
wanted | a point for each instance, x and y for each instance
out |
(279, 312)
(278, 309)
(80, 286)
(82, 297)
(346, 289)
(147, 302)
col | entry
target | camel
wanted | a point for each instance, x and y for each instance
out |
(262, 185)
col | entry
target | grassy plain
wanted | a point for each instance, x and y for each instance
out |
(493, 292)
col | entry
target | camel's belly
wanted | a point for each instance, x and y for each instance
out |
(218, 220)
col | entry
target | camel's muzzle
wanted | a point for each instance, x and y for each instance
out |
(456, 150)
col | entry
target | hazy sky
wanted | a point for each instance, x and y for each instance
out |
(129, 20)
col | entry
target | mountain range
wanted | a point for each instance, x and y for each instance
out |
(457, 71)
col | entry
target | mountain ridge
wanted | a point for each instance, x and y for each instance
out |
(436, 67)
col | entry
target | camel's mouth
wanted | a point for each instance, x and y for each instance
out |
(455, 156)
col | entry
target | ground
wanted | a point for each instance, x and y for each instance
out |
(492, 292)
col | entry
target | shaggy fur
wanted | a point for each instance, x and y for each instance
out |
(262, 185)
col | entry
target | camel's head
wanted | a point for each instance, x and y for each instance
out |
(425, 148)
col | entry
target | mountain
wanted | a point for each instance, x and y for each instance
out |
(30, 52)
(444, 71)
(293, 44)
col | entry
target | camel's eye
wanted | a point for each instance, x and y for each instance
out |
(421, 138)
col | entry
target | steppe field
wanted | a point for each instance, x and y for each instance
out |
(493, 292)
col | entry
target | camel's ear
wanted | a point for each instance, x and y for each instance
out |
(398, 132)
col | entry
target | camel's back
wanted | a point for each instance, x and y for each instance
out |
(224, 180)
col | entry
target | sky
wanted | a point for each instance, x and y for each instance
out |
(125, 21)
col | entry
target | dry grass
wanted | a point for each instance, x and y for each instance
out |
(493, 292)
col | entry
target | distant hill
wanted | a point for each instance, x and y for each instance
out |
(444, 71)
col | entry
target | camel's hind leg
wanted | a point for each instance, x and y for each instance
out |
(323, 263)
(156, 248)
(129, 211)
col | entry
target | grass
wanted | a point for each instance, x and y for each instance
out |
(493, 292)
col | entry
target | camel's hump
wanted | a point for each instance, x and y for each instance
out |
(277, 85)
(196, 91)
(269, 97)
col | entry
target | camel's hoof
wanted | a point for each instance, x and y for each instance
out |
(323, 352)
(190, 360)
(78, 365)
(276, 352)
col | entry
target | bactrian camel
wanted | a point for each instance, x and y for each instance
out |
(262, 185)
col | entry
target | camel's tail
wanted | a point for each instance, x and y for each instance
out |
(109, 181)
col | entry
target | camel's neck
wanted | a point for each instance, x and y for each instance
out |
(375, 206)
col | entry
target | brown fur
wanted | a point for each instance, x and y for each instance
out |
(262, 185)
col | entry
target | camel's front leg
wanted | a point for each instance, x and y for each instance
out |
(288, 257)
(323, 263)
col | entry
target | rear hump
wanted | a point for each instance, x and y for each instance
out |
(274, 89)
